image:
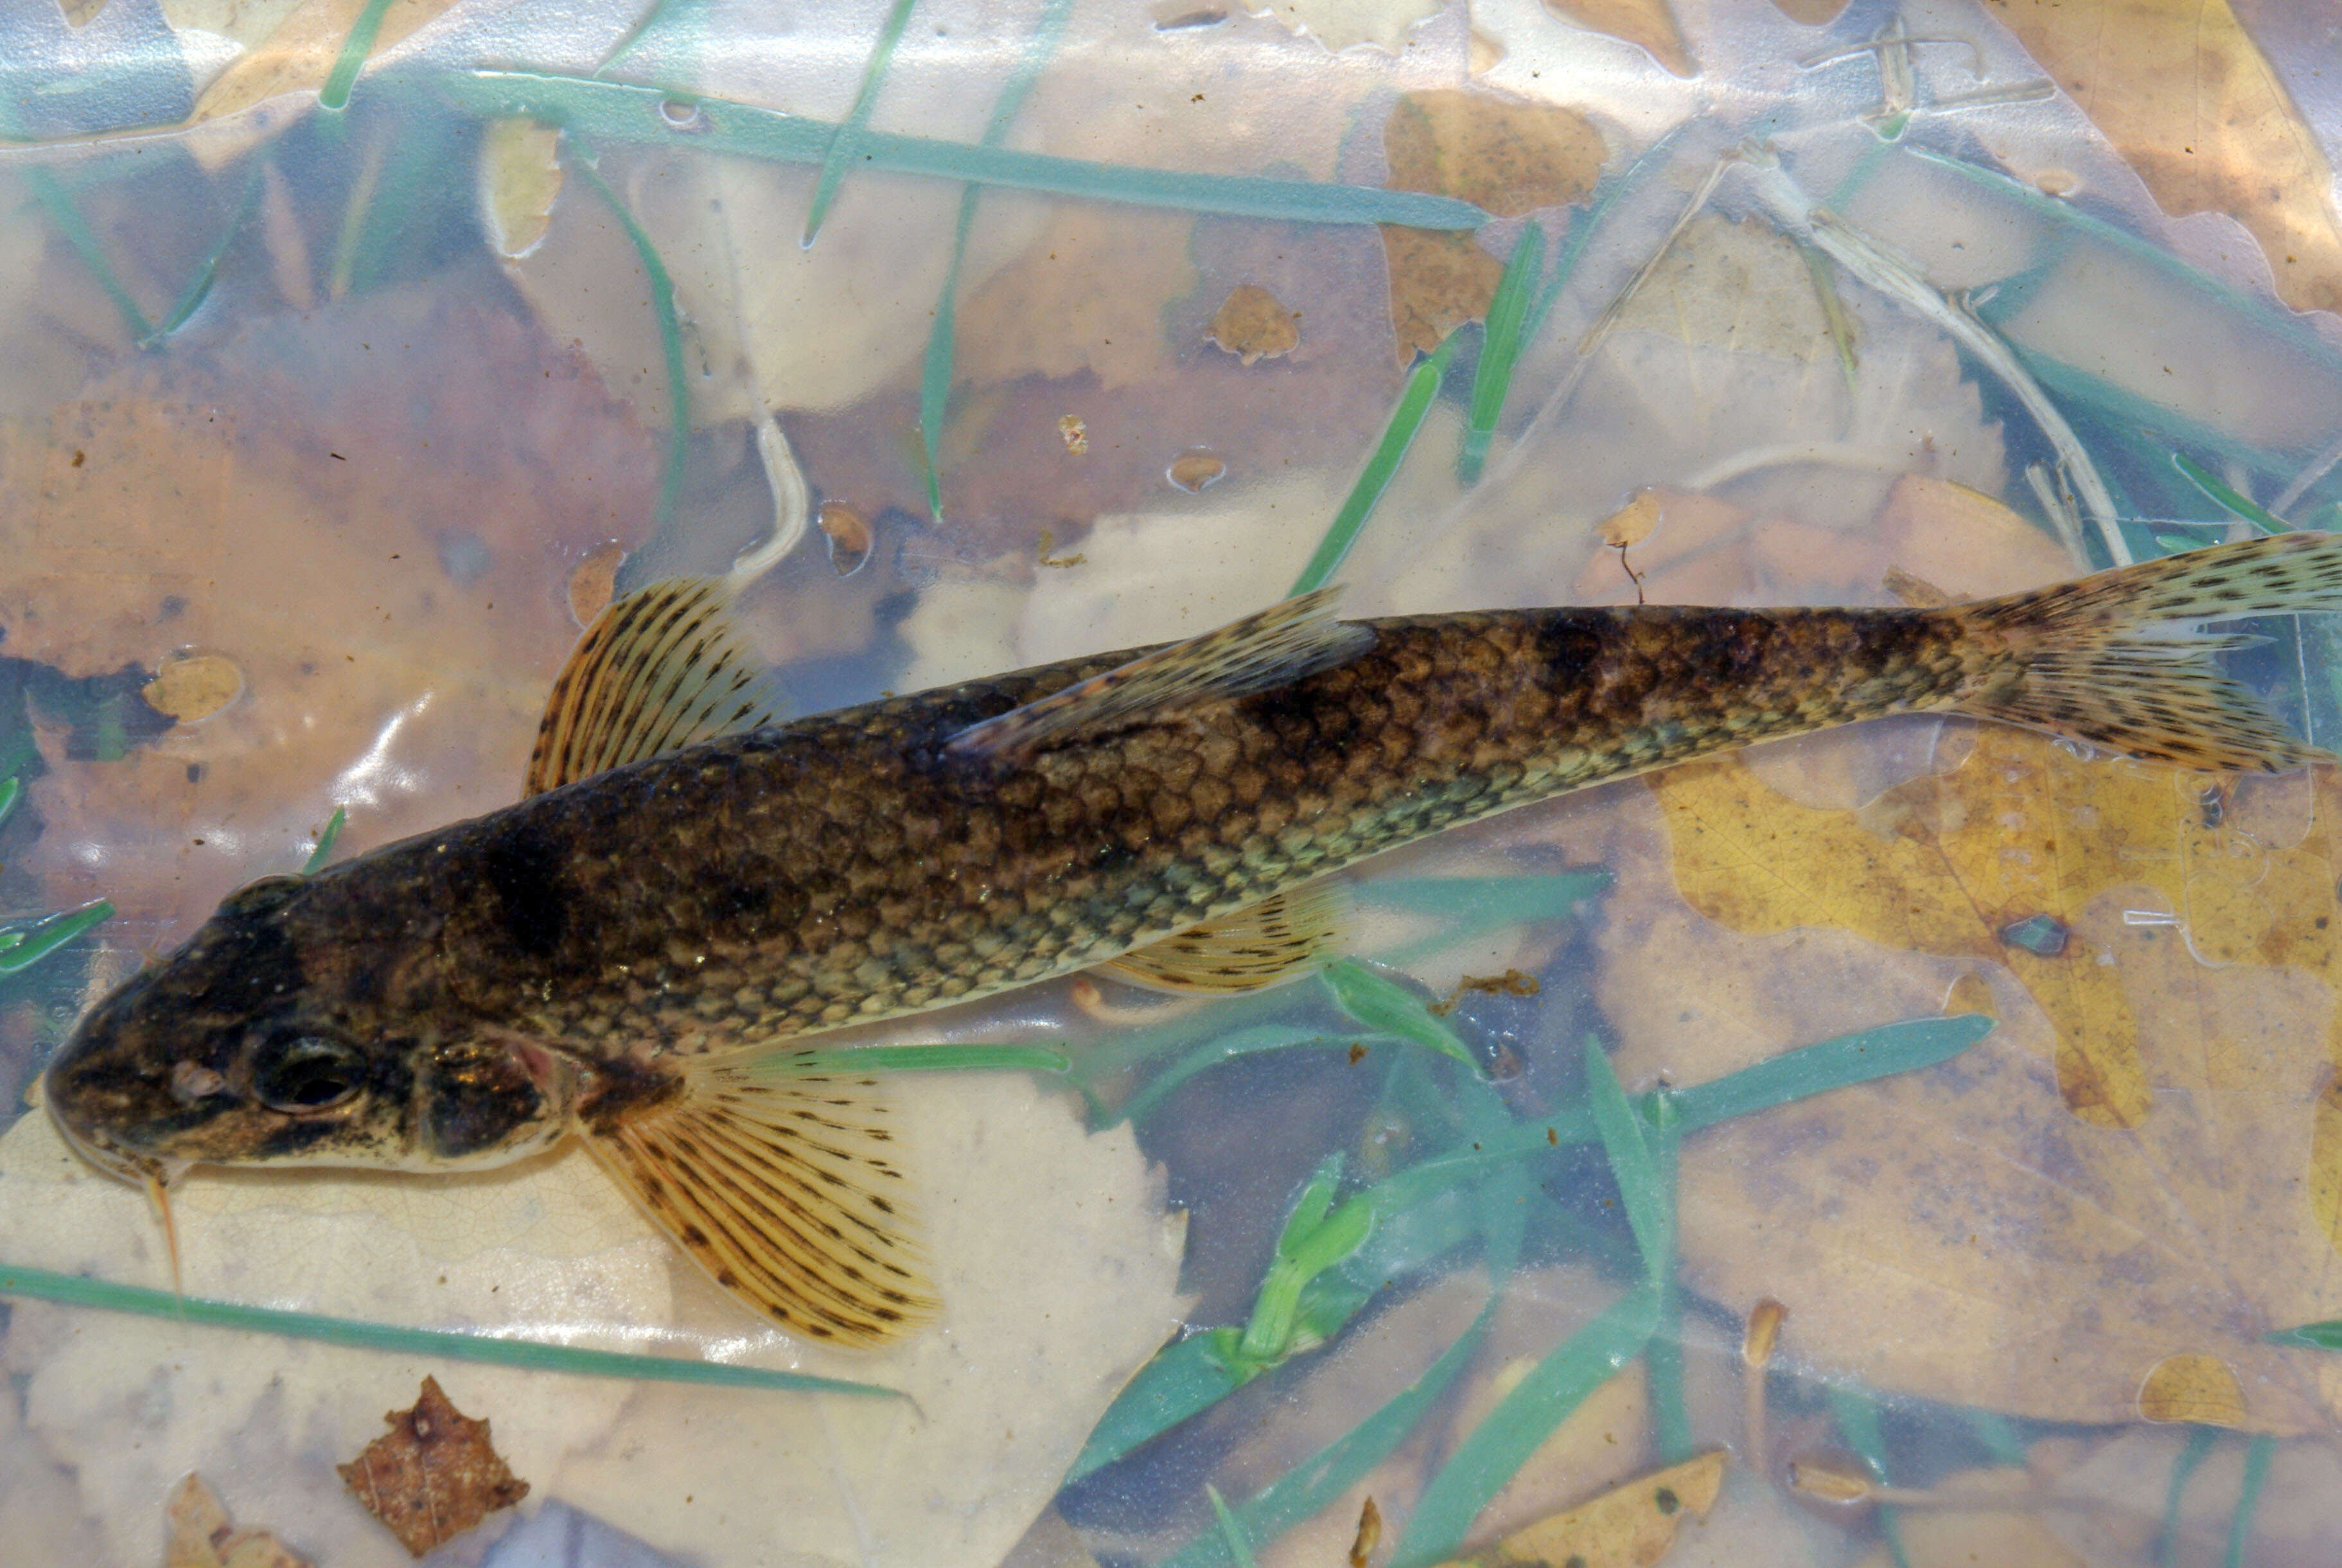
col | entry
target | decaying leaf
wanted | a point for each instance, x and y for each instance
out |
(193, 687)
(2199, 1388)
(433, 1476)
(1811, 13)
(1632, 523)
(1629, 1526)
(2191, 103)
(1647, 24)
(1507, 156)
(1253, 324)
(1971, 1238)
(519, 180)
(593, 581)
(201, 1536)
(1086, 295)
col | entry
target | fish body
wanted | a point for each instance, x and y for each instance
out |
(638, 955)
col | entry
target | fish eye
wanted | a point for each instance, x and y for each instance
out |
(307, 1073)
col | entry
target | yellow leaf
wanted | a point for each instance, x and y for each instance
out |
(1252, 324)
(520, 179)
(1631, 1526)
(1506, 156)
(1648, 24)
(2191, 103)
(195, 687)
(2199, 1388)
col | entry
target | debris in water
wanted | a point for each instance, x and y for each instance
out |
(1076, 435)
(201, 1537)
(433, 1476)
(1195, 471)
(593, 580)
(849, 534)
(193, 687)
(1253, 324)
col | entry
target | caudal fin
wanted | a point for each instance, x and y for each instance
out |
(2118, 659)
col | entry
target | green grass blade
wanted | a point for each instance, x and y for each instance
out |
(1857, 1421)
(1663, 1369)
(1645, 1188)
(935, 369)
(199, 285)
(1405, 420)
(1583, 229)
(973, 1058)
(2257, 1454)
(1231, 1531)
(1182, 1381)
(2200, 1442)
(2219, 492)
(1388, 1008)
(336, 93)
(52, 196)
(1488, 1458)
(1837, 1064)
(319, 855)
(662, 293)
(1500, 349)
(1243, 1043)
(28, 944)
(2326, 1335)
(614, 111)
(533, 1355)
(11, 791)
(1463, 906)
(847, 140)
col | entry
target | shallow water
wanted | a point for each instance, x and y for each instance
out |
(321, 429)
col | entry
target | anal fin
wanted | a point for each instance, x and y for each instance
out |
(660, 669)
(1281, 938)
(1278, 645)
(779, 1179)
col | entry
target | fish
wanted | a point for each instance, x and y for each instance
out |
(644, 952)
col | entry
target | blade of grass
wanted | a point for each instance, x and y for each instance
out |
(2326, 1335)
(1837, 1064)
(1500, 349)
(936, 369)
(1644, 1189)
(614, 111)
(662, 293)
(1382, 465)
(333, 831)
(1488, 1458)
(22, 946)
(2257, 1454)
(1857, 1421)
(2200, 1442)
(11, 792)
(847, 140)
(1582, 230)
(52, 196)
(1244, 1043)
(335, 94)
(199, 285)
(1231, 1531)
(1388, 1008)
(2221, 494)
(1465, 906)
(533, 1355)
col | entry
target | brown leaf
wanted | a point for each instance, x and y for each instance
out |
(432, 1476)
(1253, 324)
(1630, 1526)
(195, 687)
(2190, 101)
(1506, 156)
(200, 1536)
(2200, 1389)
(519, 180)
(300, 54)
(1648, 24)
(1811, 13)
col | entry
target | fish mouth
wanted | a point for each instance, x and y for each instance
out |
(147, 1170)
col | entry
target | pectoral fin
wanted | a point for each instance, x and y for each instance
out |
(779, 1179)
(1276, 940)
(1281, 644)
(658, 670)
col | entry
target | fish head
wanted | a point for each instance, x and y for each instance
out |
(271, 1038)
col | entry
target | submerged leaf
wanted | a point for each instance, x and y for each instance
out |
(434, 1474)
(1629, 1526)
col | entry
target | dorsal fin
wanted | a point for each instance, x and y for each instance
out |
(658, 670)
(1279, 644)
(777, 1173)
(1280, 938)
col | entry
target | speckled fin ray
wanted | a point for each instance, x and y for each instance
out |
(1276, 940)
(658, 670)
(782, 1183)
(2115, 659)
(1282, 644)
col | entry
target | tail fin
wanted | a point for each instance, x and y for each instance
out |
(2117, 659)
